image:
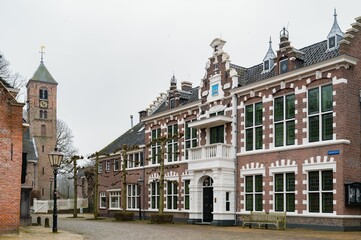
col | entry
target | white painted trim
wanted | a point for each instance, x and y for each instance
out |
(296, 73)
(296, 147)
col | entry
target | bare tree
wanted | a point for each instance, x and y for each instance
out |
(14, 79)
(64, 140)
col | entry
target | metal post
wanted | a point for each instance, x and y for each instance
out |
(139, 205)
(55, 210)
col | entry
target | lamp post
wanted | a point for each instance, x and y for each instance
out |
(55, 159)
(51, 186)
(140, 183)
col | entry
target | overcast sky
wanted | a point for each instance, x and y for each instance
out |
(112, 58)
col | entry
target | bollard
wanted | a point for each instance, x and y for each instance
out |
(38, 220)
(46, 223)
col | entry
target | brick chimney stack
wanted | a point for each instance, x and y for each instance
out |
(186, 86)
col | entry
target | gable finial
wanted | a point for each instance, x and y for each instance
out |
(42, 52)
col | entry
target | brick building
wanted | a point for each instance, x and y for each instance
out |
(41, 116)
(272, 137)
(11, 130)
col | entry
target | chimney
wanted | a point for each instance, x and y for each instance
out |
(142, 114)
(186, 86)
(131, 121)
(284, 42)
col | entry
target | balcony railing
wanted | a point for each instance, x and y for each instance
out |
(217, 150)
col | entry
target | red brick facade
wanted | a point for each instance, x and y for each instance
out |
(11, 161)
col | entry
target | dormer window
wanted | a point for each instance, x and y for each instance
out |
(284, 66)
(268, 60)
(335, 35)
(332, 42)
(266, 65)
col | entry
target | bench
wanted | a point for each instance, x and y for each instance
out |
(263, 219)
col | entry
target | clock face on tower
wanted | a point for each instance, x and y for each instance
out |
(43, 104)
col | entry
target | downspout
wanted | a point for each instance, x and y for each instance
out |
(234, 153)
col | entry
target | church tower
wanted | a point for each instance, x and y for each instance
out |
(41, 115)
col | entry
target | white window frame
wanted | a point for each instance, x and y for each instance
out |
(320, 113)
(284, 121)
(155, 196)
(253, 193)
(284, 190)
(117, 196)
(155, 148)
(116, 165)
(100, 167)
(101, 196)
(320, 191)
(132, 159)
(253, 127)
(132, 196)
(189, 140)
(172, 144)
(107, 165)
(186, 195)
(172, 196)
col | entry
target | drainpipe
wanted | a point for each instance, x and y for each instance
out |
(234, 154)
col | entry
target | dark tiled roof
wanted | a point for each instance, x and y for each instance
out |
(310, 55)
(29, 147)
(6, 84)
(134, 136)
(185, 99)
(43, 75)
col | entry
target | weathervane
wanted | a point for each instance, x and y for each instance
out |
(42, 53)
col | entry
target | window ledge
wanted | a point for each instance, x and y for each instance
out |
(296, 147)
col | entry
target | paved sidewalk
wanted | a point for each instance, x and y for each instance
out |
(83, 229)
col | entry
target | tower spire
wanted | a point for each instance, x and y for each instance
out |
(42, 52)
(335, 34)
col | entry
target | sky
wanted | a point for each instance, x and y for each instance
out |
(112, 58)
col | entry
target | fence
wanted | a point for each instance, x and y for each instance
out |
(43, 206)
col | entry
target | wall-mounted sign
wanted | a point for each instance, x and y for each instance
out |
(353, 194)
(333, 152)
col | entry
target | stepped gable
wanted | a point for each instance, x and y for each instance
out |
(185, 98)
(134, 136)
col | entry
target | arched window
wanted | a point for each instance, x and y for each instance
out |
(43, 94)
(41, 115)
(43, 130)
(45, 114)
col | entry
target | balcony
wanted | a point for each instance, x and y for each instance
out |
(210, 122)
(216, 155)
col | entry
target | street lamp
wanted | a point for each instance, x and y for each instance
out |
(55, 159)
(140, 183)
(51, 186)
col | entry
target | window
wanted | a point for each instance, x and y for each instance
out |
(100, 167)
(43, 94)
(266, 65)
(133, 196)
(320, 191)
(320, 106)
(215, 90)
(217, 134)
(172, 195)
(186, 194)
(42, 148)
(284, 192)
(254, 126)
(190, 138)
(228, 203)
(154, 196)
(155, 146)
(102, 200)
(172, 152)
(43, 130)
(332, 42)
(254, 193)
(283, 66)
(284, 120)
(116, 165)
(43, 171)
(114, 200)
(135, 160)
(107, 166)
